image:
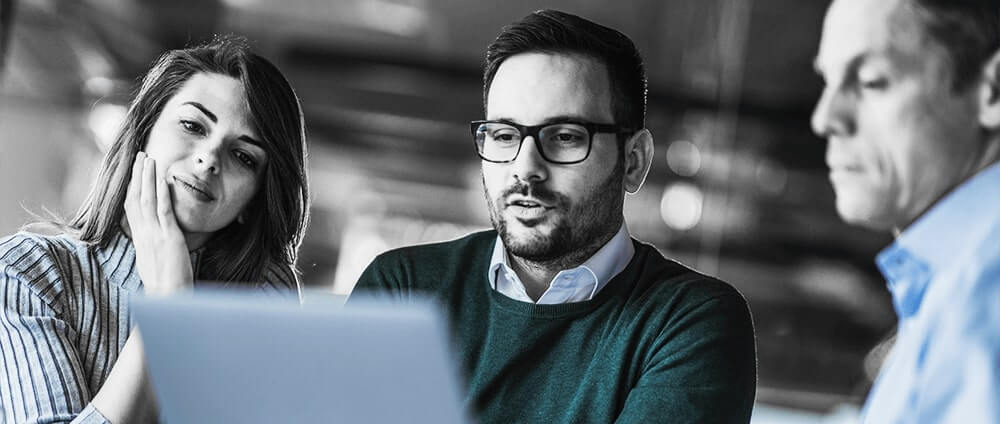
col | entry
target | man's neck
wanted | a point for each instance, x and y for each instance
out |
(989, 156)
(536, 276)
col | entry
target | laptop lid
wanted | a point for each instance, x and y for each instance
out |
(235, 358)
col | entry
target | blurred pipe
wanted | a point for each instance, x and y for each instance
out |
(734, 17)
(6, 27)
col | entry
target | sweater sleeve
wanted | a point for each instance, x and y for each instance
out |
(41, 373)
(702, 368)
(382, 277)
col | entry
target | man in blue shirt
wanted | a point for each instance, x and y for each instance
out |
(911, 112)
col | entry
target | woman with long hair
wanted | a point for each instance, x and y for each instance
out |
(206, 181)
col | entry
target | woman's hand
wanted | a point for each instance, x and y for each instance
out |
(161, 252)
(162, 258)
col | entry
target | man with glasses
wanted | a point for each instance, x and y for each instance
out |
(558, 315)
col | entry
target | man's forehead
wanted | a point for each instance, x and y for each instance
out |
(864, 29)
(530, 87)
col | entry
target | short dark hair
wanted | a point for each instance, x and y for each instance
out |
(555, 32)
(276, 216)
(969, 30)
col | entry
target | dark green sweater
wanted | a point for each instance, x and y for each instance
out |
(660, 342)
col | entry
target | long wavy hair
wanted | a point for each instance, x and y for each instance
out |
(275, 218)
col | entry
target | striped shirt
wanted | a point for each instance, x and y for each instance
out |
(64, 320)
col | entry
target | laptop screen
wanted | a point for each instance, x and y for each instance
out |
(227, 357)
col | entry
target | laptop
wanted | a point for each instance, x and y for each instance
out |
(218, 357)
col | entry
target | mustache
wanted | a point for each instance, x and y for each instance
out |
(537, 191)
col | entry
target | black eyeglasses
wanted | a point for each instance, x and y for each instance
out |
(563, 142)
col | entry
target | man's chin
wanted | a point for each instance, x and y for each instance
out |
(534, 243)
(864, 212)
(535, 252)
(523, 236)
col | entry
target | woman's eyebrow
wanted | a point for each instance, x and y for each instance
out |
(215, 119)
(251, 140)
(204, 110)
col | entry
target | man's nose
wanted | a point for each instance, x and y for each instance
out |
(529, 163)
(834, 114)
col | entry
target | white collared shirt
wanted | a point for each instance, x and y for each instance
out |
(570, 285)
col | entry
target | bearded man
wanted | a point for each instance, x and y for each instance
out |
(559, 316)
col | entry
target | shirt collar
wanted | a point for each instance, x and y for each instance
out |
(937, 239)
(611, 258)
(117, 261)
(594, 273)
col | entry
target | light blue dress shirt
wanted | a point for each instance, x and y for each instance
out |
(944, 275)
(571, 285)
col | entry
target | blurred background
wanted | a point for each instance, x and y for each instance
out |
(738, 187)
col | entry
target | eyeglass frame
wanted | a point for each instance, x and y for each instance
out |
(534, 131)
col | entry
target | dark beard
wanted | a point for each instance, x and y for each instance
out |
(581, 231)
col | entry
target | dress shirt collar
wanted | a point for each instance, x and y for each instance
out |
(937, 239)
(571, 285)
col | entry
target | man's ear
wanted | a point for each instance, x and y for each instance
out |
(638, 158)
(989, 93)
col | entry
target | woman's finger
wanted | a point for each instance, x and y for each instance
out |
(132, 192)
(164, 207)
(147, 194)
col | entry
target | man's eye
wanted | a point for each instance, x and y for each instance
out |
(504, 136)
(870, 80)
(874, 84)
(567, 138)
(192, 127)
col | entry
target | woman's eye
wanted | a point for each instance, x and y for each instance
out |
(192, 127)
(246, 159)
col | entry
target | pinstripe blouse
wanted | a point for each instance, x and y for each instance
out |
(64, 320)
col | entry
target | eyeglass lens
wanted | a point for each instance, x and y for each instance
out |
(559, 142)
